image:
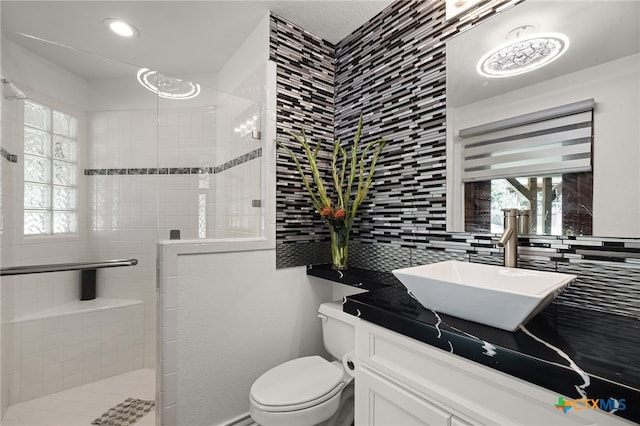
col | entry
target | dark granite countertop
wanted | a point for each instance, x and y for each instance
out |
(576, 352)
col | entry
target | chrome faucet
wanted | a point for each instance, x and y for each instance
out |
(509, 240)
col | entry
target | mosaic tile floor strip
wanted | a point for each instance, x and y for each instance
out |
(126, 413)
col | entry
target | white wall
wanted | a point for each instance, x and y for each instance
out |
(30, 293)
(238, 316)
(244, 75)
(226, 314)
(237, 187)
(227, 317)
(251, 55)
(46, 83)
(615, 87)
(34, 73)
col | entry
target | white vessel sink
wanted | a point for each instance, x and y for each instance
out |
(493, 295)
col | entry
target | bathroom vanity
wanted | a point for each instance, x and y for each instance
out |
(567, 366)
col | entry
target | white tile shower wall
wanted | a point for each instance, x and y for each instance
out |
(232, 139)
(123, 218)
(170, 137)
(53, 354)
(123, 213)
(122, 139)
(130, 212)
(237, 187)
(187, 136)
(244, 76)
(180, 205)
(31, 293)
(26, 294)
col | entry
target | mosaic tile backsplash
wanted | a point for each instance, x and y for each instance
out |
(392, 70)
(606, 281)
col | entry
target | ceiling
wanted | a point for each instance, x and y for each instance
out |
(599, 31)
(176, 37)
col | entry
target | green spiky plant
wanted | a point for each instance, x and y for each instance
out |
(348, 179)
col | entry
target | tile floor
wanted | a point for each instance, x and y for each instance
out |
(81, 405)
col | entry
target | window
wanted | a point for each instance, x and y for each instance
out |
(553, 141)
(50, 171)
(556, 205)
(540, 163)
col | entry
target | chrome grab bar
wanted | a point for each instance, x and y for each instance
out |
(60, 267)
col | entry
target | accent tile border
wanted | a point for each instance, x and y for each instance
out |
(256, 153)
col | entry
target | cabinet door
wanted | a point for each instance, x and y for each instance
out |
(380, 402)
(472, 392)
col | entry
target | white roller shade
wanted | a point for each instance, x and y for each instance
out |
(553, 141)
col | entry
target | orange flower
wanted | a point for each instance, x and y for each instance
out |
(326, 211)
(340, 214)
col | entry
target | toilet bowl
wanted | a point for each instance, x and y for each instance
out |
(311, 391)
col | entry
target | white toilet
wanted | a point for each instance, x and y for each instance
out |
(311, 390)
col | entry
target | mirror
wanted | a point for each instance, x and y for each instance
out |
(602, 62)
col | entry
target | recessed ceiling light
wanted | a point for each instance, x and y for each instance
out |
(167, 87)
(123, 29)
(523, 55)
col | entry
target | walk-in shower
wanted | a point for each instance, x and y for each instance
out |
(96, 170)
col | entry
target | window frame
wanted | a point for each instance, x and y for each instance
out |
(50, 157)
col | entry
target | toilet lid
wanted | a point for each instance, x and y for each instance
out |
(296, 382)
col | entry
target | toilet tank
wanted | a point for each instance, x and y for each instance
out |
(338, 329)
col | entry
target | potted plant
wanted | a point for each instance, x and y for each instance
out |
(351, 176)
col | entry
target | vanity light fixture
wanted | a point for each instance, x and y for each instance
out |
(121, 28)
(522, 54)
(167, 87)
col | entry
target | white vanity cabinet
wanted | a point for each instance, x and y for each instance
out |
(404, 382)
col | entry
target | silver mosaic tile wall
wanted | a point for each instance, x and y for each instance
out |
(392, 70)
(305, 100)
